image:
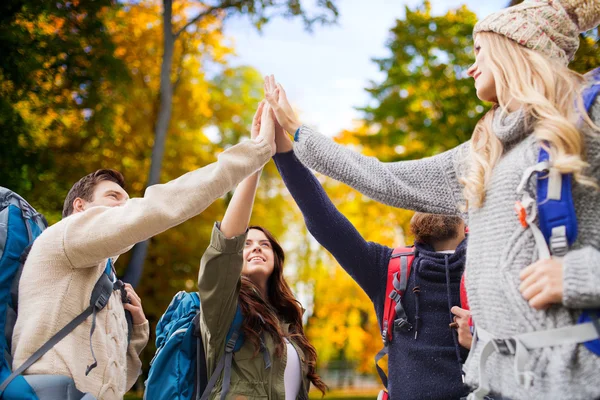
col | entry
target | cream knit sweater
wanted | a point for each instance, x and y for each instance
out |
(69, 257)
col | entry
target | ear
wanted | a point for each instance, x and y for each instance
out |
(78, 205)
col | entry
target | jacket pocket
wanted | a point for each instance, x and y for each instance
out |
(242, 390)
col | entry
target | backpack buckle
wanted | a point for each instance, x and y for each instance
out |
(394, 295)
(384, 333)
(521, 213)
(401, 324)
(230, 345)
(507, 347)
(559, 244)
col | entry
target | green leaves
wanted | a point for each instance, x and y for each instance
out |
(427, 103)
(57, 61)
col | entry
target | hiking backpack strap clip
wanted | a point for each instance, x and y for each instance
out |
(98, 300)
(394, 316)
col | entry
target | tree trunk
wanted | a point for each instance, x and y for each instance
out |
(136, 264)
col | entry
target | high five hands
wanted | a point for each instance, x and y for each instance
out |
(277, 99)
(273, 117)
(263, 125)
(278, 111)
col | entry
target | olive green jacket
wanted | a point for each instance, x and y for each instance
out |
(219, 287)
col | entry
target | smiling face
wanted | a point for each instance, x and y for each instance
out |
(259, 259)
(485, 83)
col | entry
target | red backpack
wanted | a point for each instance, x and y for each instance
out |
(394, 316)
(464, 300)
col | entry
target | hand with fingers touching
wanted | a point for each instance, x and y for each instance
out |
(134, 306)
(542, 283)
(461, 324)
(263, 125)
(276, 96)
(255, 130)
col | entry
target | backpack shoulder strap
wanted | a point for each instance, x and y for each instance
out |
(399, 268)
(394, 316)
(236, 326)
(99, 298)
(590, 93)
(556, 209)
(234, 342)
(201, 379)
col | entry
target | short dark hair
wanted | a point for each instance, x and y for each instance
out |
(432, 228)
(84, 188)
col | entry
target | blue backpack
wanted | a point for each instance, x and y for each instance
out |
(556, 213)
(178, 369)
(20, 225)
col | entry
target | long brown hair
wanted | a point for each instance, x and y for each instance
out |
(265, 315)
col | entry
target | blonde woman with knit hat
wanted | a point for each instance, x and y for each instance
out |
(514, 287)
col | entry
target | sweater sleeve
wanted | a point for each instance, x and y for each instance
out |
(361, 259)
(581, 278)
(139, 339)
(101, 232)
(427, 185)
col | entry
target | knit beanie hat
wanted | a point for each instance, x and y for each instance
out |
(549, 26)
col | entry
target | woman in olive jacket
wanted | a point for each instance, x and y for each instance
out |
(245, 265)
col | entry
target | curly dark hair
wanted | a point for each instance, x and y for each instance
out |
(432, 228)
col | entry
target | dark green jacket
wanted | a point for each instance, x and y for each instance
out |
(219, 287)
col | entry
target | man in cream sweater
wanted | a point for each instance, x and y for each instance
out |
(99, 222)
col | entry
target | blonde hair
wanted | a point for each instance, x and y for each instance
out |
(550, 94)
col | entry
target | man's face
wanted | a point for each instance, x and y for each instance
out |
(106, 193)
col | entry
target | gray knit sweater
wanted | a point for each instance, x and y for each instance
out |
(499, 247)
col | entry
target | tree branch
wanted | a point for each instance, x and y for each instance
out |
(180, 66)
(224, 5)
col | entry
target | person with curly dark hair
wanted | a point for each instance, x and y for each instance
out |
(425, 362)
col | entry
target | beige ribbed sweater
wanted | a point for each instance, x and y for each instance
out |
(69, 257)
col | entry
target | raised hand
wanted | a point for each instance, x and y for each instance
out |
(255, 130)
(266, 125)
(275, 95)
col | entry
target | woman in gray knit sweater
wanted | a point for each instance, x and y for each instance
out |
(515, 291)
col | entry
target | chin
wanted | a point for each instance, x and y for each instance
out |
(487, 97)
(256, 271)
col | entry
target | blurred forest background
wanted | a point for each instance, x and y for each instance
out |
(136, 85)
